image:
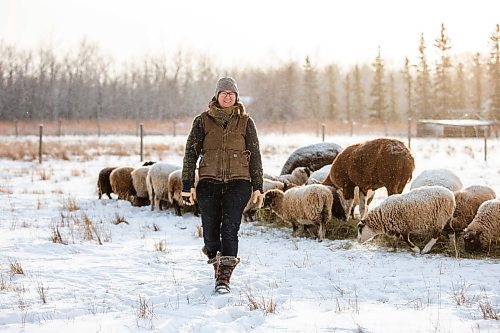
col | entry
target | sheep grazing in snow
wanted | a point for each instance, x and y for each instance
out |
(310, 206)
(484, 228)
(157, 184)
(468, 201)
(121, 182)
(251, 208)
(319, 175)
(369, 166)
(428, 208)
(313, 157)
(441, 177)
(299, 176)
(175, 190)
(139, 182)
(103, 183)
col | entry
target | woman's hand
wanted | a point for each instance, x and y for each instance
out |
(189, 198)
(257, 198)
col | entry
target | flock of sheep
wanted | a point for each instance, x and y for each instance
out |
(324, 180)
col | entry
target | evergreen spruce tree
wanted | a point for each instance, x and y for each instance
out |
(477, 73)
(311, 97)
(347, 92)
(408, 88)
(358, 102)
(442, 80)
(331, 103)
(494, 71)
(379, 105)
(393, 109)
(423, 95)
(459, 91)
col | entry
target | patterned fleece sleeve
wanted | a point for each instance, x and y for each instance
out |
(252, 144)
(194, 144)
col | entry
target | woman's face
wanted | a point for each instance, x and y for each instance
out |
(226, 98)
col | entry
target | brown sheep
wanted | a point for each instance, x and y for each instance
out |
(484, 228)
(103, 184)
(468, 201)
(369, 166)
(121, 182)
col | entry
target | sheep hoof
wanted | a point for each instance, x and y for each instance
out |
(416, 249)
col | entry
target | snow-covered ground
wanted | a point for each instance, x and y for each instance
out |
(149, 274)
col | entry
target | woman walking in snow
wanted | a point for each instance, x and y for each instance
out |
(225, 140)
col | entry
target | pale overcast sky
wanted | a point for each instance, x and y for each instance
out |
(253, 31)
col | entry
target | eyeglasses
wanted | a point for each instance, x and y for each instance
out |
(228, 93)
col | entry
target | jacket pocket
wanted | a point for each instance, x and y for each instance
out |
(209, 163)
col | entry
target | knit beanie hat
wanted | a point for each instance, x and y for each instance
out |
(226, 83)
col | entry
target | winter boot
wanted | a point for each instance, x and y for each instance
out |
(224, 267)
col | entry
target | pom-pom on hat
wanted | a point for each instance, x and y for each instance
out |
(226, 83)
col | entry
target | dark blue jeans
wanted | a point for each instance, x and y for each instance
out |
(221, 206)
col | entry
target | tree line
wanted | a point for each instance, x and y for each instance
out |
(85, 84)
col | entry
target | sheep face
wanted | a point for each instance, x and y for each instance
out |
(365, 233)
(471, 240)
(272, 198)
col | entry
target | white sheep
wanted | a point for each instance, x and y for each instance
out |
(299, 176)
(468, 201)
(318, 176)
(310, 206)
(484, 228)
(441, 177)
(139, 182)
(251, 208)
(175, 190)
(428, 208)
(157, 183)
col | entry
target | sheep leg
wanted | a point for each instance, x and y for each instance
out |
(310, 229)
(153, 200)
(108, 194)
(321, 231)
(294, 229)
(406, 237)
(364, 201)
(429, 245)
(362, 205)
(177, 208)
(350, 209)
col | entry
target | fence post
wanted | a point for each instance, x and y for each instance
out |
(409, 132)
(486, 133)
(15, 125)
(323, 132)
(40, 145)
(141, 126)
(59, 126)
